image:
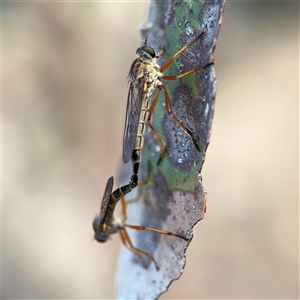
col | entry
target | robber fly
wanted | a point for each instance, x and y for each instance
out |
(145, 76)
(106, 223)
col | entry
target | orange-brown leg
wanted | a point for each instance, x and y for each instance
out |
(169, 109)
(168, 102)
(137, 198)
(161, 143)
(137, 227)
(123, 210)
(144, 182)
(156, 135)
(128, 244)
(184, 128)
(170, 60)
(172, 77)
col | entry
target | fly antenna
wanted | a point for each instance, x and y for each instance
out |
(145, 43)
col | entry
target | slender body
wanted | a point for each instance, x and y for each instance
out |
(145, 76)
(106, 223)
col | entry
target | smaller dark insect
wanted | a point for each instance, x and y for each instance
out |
(106, 223)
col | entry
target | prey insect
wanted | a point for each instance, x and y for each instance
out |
(145, 76)
(106, 223)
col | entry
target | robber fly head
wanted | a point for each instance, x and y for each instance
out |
(146, 52)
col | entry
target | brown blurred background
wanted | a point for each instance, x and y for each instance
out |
(64, 69)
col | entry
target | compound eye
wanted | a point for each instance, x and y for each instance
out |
(101, 238)
(150, 51)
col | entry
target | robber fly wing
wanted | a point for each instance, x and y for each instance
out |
(106, 198)
(133, 110)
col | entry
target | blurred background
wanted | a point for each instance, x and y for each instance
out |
(64, 91)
